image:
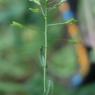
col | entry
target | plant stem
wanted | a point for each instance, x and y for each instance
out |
(45, 44)
(65, 22)
(42, 10)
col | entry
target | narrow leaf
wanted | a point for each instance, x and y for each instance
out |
(35, 10)
(42, 58)
(16, 24)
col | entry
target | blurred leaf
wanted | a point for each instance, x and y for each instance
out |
(16, 24)
(35, 10)
(36, 1)
(11, 87)
(63, 63)
(11, 70)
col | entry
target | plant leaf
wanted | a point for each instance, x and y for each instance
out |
(42, 58)
(16, 24)
(36, 1)
(35, 10)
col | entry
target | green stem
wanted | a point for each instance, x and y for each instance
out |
(62, 23)
(45, 45)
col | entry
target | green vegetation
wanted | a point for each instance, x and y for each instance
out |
(35, 49)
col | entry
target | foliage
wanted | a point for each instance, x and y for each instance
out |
(21, 38)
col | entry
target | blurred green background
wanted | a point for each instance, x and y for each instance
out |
(20, 69)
